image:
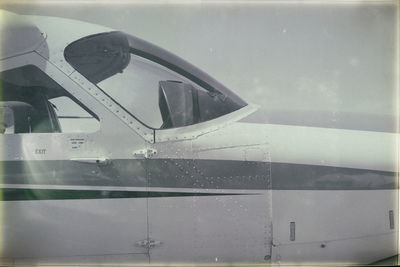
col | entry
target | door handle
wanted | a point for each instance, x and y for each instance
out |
(98, 161)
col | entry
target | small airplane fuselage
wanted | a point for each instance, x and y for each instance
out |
(117, 151)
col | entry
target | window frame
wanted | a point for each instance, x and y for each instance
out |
(160, 135)
(159, 56)
(163, 68)
(81, 105)
(183, 77)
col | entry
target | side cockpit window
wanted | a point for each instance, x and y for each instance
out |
(159, 89)
(182, 103)
(26, 103)
(73, 117)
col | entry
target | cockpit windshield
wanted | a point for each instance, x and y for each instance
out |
(158, 88)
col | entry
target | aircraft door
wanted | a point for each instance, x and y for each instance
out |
(72, 192)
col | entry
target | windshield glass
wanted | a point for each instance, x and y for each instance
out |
(159, 89)
(136, 89)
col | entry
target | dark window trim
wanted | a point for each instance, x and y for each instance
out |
(53, 117)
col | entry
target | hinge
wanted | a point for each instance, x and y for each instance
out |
(145, 153)
(148, 243)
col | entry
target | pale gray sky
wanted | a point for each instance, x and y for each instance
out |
(330, 58)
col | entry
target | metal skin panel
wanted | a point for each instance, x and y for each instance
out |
(70, 228)
(215, 145)
(235, 228)
(327, 232)
(31, 58)
(83, 260)
(332, 147)
(209, 229)
(239, 146)
(323, 227)
(312, 145)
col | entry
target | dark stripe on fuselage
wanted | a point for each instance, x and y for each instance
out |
(314, 177)
(12, 194)
(197, 174)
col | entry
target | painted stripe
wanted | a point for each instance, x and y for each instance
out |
(196, 174)
(139, 189)
(314, 177)
(13, 194)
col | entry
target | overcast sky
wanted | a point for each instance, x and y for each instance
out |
(283, 57)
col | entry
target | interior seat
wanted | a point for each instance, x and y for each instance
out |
(16, 117)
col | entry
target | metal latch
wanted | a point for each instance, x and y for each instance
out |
(145, 153)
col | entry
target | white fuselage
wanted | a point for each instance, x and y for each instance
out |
(217, 191)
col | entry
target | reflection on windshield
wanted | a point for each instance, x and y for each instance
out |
(136, 89)
(132, 71)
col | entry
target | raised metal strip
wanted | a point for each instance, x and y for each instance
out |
(113, 106)
(292, 231)
(391, 219)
